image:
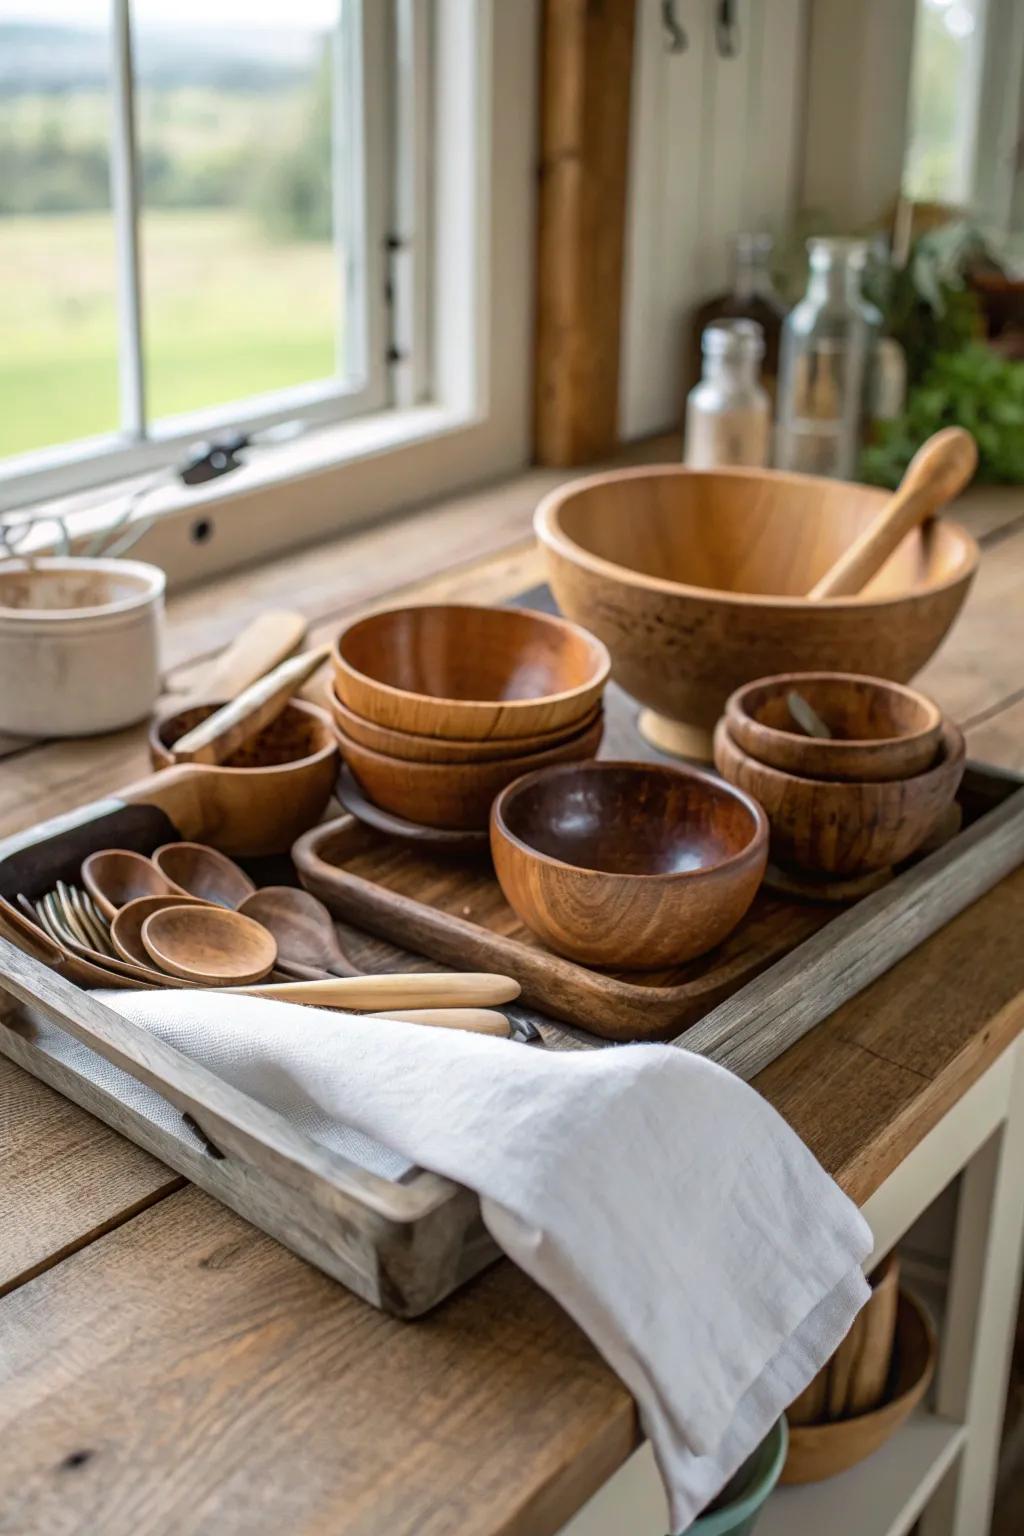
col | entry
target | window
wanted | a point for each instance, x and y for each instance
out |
(939, 164)
(194, 207)
(403, 341)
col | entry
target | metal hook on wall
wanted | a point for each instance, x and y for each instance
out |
(727, 29)
(676, 40)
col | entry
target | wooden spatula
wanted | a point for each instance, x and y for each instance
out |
(221, 734)
(939, 470)
(265, 641)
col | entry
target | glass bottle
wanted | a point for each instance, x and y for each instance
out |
(753, 297)
(728, 414)
(828, 342)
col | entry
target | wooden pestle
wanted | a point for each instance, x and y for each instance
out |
(939, 470)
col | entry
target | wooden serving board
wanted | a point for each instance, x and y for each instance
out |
(453, 910)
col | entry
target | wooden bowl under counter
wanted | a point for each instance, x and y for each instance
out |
(468, 673)
(828, 827)
(696, 581)
(630, 865)
(880, 730)
(818, 1451)
(270, 792)
(455, 796)
(440, 749)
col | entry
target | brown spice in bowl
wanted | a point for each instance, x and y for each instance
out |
(288, 739)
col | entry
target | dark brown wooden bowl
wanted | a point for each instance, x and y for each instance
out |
(440, 749)
(828, 827)
(880, 730)
(453, 795)
(272, 791)
(630, 865)
(696, 580)
(469, 673)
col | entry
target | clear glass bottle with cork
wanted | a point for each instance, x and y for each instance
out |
(728, 414)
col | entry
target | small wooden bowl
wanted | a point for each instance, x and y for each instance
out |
(453, 795)
(440, 749)
(818, 1451)
(881, 730)
(469, 674)
(631, 865)
(272, 791)
(833, 828)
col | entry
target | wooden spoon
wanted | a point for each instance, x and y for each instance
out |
(939, 470)
(482, 1021)
(221, 734)
(307, 942)
(264, 641)
(204, 873)
(115, 876)
(383, 994)
(126, 929)
(209, 946)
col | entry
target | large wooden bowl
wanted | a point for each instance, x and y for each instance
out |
(469, 673)
(831, 828)
(817, 1451)
(880, 730)
(441, 749)
(272, 791)
(631, 865)
(695, 580)
(453, 795)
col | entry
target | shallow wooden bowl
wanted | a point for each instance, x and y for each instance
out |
(630, 865)
(695, 581)
(453, 795)
(880, 730)
(829, 827)
(469, 673)
(439, 749)
(818, 1451)
(272, 791)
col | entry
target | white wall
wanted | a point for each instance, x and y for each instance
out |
(715, 148)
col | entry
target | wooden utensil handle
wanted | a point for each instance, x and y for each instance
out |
(376, 994)
(481, 1021)
(216, 738)
(261, 645)
(938, 471)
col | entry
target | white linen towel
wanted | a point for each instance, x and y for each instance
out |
(665, 1204)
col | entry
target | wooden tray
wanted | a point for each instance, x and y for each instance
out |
(453, 910)
(405, 1243)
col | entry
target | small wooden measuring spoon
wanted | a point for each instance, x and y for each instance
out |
(115, 876)
(304, 929)
(203, 872)
(209, 946)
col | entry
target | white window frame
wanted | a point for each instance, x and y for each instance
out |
(462, 411)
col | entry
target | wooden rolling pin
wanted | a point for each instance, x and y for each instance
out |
(939, 470)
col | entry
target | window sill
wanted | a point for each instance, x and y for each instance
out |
(297, 492)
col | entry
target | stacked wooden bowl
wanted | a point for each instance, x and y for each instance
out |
(861, 796)
(438, 708)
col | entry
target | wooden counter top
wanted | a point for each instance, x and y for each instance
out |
(164, 1367)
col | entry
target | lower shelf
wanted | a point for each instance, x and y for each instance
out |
(883, 1496)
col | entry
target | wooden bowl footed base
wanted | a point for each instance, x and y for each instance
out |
(675, 738)
(798, 882)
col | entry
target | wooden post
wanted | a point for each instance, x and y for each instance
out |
(586, 71)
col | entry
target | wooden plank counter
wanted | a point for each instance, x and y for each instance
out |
(166, 1368)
